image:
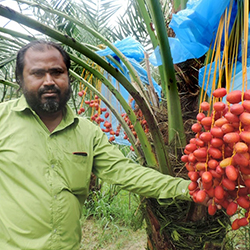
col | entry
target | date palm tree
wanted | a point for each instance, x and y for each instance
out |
(83, 27)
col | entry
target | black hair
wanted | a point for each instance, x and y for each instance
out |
(37, 45)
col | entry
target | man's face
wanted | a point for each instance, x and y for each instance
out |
(45, 80)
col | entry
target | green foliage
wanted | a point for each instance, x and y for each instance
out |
(7, 92)
(238, 239)
(179, 4)
(135, 87)
(111, 204)
(112, 237)
(132, 24)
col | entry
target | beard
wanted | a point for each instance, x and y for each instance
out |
(51, 104)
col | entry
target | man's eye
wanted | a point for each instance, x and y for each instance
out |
(56, 72)
(52, 72)
(38, 73)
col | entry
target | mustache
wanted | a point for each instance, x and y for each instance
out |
(49, 89)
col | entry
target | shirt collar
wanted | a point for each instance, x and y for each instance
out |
(21, 104)
(69, 116)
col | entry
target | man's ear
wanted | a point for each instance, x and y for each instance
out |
(20, 83)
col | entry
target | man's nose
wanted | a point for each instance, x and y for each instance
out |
(48, 79)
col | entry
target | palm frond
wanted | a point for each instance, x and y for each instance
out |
(132, 24)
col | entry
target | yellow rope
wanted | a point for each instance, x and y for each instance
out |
(217, 40)
(223, 64)
(245, 45)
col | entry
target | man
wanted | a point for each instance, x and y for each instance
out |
(47, 155)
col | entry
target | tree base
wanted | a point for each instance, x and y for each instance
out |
(184, 226)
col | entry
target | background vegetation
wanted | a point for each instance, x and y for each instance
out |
(84, 27)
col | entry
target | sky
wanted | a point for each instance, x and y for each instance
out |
(7, 23)
(4, 22)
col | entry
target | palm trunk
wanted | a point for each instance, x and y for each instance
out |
(183, 226)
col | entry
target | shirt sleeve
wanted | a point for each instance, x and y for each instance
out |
(111, 166)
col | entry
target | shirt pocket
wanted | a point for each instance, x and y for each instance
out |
(76, 171)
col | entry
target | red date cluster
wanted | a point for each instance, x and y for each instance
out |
(98, 117)
(218, 157)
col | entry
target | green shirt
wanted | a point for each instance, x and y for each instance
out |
(44, 177)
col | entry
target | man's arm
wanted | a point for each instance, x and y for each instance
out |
(111, 166)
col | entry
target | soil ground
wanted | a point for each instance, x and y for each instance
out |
(112, 237)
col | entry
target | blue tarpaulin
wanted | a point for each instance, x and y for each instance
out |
(134, 52)
(195, 28)
(236, 80)
(128, 46)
